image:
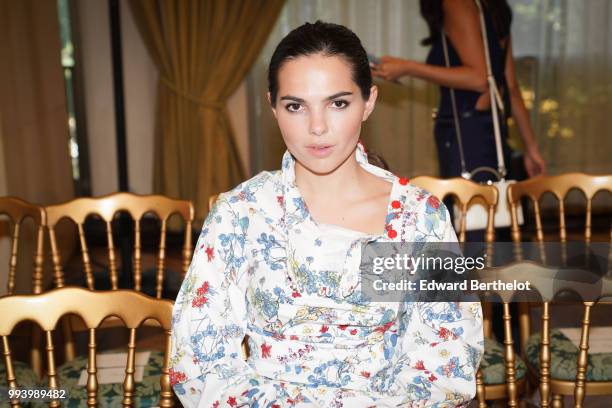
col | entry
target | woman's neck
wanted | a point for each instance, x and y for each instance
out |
(342, 182)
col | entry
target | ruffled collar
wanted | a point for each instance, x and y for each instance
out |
(296, 211)
(302, 229)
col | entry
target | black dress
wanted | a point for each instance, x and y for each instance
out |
(476, 126)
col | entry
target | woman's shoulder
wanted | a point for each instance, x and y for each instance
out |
(422, 200)
(259, 191)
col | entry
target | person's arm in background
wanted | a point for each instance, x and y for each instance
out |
(534, 163)
(462, 25)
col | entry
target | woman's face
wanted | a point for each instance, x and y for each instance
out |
(319, 111)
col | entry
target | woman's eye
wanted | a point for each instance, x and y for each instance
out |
(293, 107)
(340, 104)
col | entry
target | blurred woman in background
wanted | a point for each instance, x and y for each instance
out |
(465, 72)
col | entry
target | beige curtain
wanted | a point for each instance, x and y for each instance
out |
(203, 49)
(33, 118)
(33, 102)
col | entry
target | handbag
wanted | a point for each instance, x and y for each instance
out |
(476, 216)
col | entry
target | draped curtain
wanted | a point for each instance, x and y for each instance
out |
(563, 53)
(33, 124)
(203, 50)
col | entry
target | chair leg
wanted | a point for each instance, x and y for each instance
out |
(480, 390)
(557, 401)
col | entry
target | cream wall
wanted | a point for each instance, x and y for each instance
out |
(140, 90)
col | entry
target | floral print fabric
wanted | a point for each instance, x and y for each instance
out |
(263, 267)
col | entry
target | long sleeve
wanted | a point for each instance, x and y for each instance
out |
(209, 316)
(448, 335)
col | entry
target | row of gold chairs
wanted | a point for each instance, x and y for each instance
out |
(538, 349)
(122, 307)
(106, 208)
(46, 220)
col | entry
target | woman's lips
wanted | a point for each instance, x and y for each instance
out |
(320, 150)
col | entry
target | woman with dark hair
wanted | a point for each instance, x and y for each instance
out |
(466, 73)
(278, 260)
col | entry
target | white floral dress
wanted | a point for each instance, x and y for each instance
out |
(264, 268)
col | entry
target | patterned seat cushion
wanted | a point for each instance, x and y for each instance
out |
(564, 355)
(111, 395)
(26, 378)
(492, 365)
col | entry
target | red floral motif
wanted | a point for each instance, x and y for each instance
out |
(216, 404)
(324, 329)
(419, 365)
(199, 302)
(396, 204)
(365, 374)
(232, 401)
(210, 253)
(200, 299)
(281, 200)
(177, 377)
(265, 350)
(384, 328)
(296, 294)
(276, 406)
(354, 332)
(342, 326)
(202, 290)
(392, 233)
(432, 378)
(444, 333)
(293, 337)
(433, 202)
(403, 181)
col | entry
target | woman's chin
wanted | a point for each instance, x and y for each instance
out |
(320, 167)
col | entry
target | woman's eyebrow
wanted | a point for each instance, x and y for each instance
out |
(300, 100)
(292, 98)
(338, 95)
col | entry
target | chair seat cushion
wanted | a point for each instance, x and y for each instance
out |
(111, 395)
(493, 367)
(564, 357)
(26, 378)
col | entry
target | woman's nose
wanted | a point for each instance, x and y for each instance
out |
(318, 123)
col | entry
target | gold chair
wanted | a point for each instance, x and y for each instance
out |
(106, 207)
(131, 307)
(466, 192)
(560, 382)
(501, 374)
(542, 280)
(559, 186)
(18, 210)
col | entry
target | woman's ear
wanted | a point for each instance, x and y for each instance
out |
(270, 102)
(370, 103)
